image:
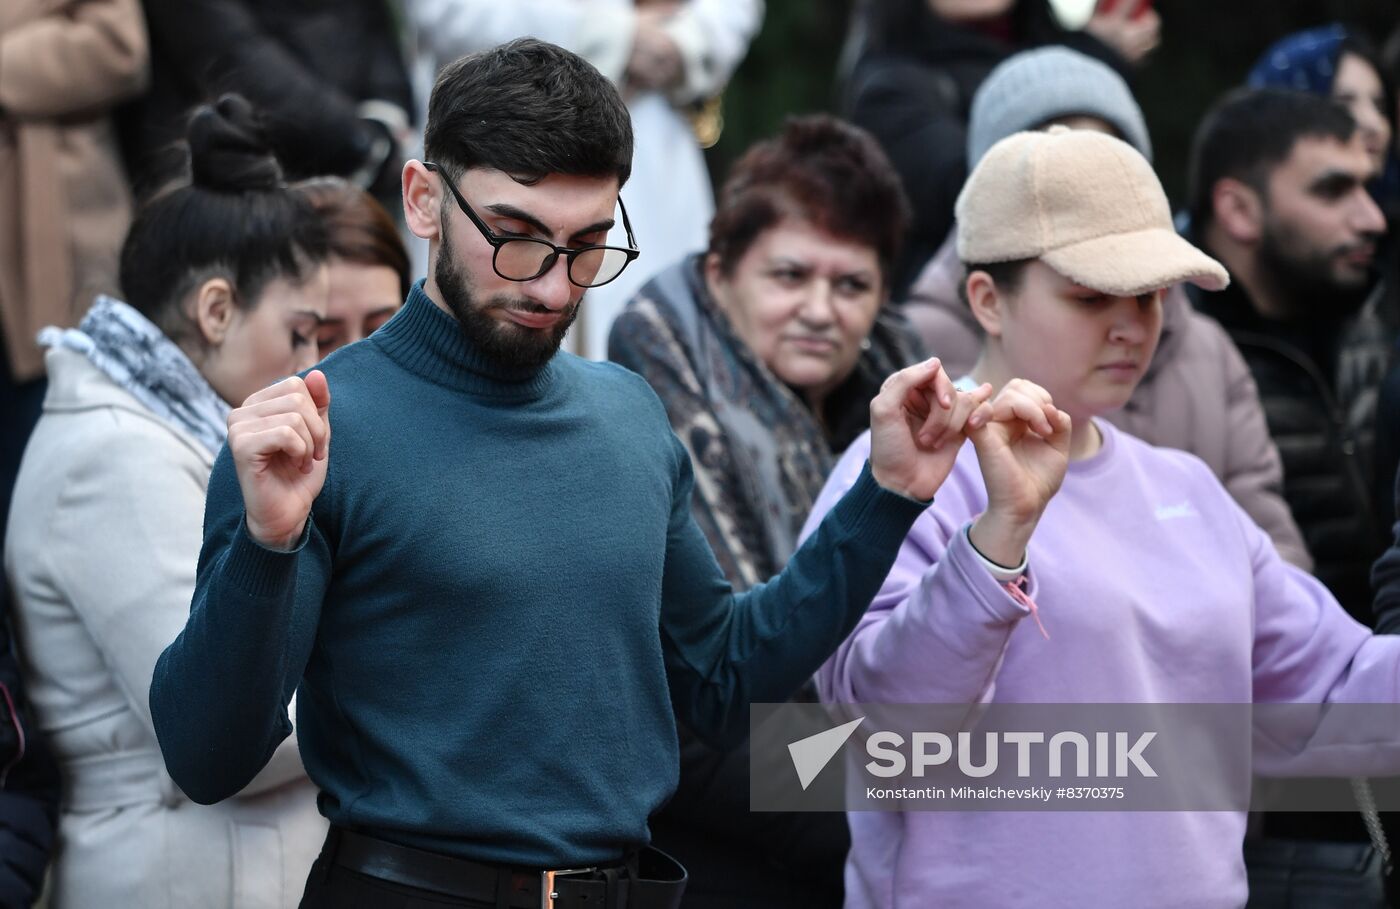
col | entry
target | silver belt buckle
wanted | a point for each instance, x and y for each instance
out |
(547, 892)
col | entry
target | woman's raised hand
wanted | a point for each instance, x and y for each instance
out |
(1023, 451)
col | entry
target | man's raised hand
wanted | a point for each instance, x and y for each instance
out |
(280, 441)
(918, 422)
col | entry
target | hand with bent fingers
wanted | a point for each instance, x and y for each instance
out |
(655, 63)
(1131, 32)
(280, 441)
(1023, 451)
(918, 422)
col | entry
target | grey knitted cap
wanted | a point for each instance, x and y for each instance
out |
(1035, 86)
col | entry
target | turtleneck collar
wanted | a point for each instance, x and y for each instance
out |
(428, 342)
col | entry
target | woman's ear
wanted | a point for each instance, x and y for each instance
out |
(214, 306)
(422, 201)
(714, 273)
(986, 302)
(718, 284)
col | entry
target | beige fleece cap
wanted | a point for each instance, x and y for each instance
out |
(1084, 203)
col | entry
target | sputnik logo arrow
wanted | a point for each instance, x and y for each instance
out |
(813, 753)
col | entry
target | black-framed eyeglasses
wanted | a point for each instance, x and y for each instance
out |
(527, 258)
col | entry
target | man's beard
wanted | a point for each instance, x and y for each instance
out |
(505, 344)
(1308, 281)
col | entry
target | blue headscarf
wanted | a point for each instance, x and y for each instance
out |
(1304, 61)
(1307, 61)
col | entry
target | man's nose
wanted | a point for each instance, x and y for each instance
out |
(553, 289)
(1367, 217)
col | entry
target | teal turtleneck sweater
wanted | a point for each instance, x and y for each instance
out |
(498, 610)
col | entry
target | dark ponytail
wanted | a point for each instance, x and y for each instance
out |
(232, 216)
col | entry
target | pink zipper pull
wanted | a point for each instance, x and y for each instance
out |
(1018, 593)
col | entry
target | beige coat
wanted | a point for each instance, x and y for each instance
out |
(64, 203)
(1198, 395)
(104, 538)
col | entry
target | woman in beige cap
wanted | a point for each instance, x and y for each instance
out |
(1144, 581)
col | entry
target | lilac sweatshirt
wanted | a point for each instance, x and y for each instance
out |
(1154, 587)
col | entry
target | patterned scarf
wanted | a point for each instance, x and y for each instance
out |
(760, 456)
(131, 351)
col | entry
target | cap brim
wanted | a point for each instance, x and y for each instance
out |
(1137, 263)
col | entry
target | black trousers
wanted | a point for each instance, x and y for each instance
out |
(648, 879)
(331, 886)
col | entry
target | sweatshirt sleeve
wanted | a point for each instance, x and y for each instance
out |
(725, 651)
(936, 631)
(1310, 655)
(220, 692)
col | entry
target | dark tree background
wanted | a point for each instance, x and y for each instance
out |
(1207, 47)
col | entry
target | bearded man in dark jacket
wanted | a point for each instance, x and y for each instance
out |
(1278, 194)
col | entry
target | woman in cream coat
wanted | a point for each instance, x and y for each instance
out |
(106, 527)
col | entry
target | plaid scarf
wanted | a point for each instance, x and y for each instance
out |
(131, 351)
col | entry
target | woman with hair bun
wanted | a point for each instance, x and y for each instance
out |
(225, 286)
(368, 267)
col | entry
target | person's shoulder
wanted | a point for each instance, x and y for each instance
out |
(357, 362)
(1160, 463)
(645, 331)
(619, 400)
(113, 462)
(90, 420)
(607, 382)
(666, 310)
(1205, 339)
(642, 313)
(358, 374)
(1195, 358)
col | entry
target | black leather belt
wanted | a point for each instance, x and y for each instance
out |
(653, 881)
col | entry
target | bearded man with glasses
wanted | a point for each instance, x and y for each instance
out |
(492, 601)
(523, 253)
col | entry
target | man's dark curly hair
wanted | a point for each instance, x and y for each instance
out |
(529, 108)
